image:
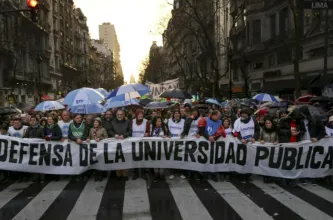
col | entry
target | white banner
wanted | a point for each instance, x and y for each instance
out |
(302, 159)
(157, 89)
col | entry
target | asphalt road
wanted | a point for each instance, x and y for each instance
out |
(163, 200)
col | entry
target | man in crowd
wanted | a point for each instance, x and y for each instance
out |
(17, 130)
(107, 122)
(34, 130)
(64, 123)
(120, 129)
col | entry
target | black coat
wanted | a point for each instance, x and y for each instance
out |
(284, 131)
(56, 133)
(34, 132)
(123, 127)
(108, 126)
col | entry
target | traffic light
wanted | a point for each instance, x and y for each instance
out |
(33, 5)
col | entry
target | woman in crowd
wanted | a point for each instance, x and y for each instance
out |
(52, 130)
(268, 134)
(158, 129)
(97, 133)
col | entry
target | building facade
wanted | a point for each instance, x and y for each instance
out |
(103, 65)
(264, 48)
(107, 32)
(24, 54)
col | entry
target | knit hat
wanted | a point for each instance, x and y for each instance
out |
(98, 119)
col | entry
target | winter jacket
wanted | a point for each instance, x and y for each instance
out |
(55, 132)
(108, 126)
(123, 127)
(268, 137)
(34, 132)
(284, 131)
(100, 133)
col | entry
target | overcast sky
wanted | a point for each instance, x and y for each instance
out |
(135, 22)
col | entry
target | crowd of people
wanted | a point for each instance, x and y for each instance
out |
(245, 123)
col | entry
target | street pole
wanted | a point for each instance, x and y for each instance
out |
(326, 47)
(39, 61)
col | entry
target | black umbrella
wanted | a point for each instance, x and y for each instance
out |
(176, 94)
(321, 99)
(8, 111)
(145, 102)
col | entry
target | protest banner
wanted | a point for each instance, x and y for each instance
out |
(157, 89)
(291, 160)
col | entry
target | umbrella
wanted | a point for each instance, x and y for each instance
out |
(86, 109)
(129, 91)
(263, 97)
(103, 92)
(83, 96)
(49, 106)
(321, 99)
(23, 106)
(9, 111)
(111, 103)
(145, 102)
(61, 100)
(156, 105)
(176, 94)
(213, 101)
(304, 99)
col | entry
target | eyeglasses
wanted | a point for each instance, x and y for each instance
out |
(120, 114)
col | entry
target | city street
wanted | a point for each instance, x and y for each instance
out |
(175, 199)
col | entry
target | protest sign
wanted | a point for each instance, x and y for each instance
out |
(291, 160)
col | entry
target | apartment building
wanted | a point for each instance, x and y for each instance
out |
(24, 54)
(263, 48)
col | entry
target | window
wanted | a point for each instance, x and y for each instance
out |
(271, 60)
(273, 25)
(283, 22)
(284, 55)
(256, 31)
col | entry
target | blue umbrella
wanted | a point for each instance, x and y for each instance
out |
(87, 109)
(263, 97)
(82, 97)
(156, 105)
(111, 103)
(103, 92)
(213, 101)
(49, 106)
(130, 91)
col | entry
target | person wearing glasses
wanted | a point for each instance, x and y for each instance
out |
(121, 128)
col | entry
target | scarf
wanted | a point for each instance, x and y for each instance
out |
(50, 126)
(157, 131)
(94, 131)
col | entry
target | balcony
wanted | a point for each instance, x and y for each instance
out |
(254, 6)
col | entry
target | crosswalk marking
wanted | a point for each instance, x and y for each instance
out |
(164, 200)
(296, 204)
(312, 199)
(88, 203)
(319, 191)
(39, 204)
(112, 202)
(64, 203)
(11, 191)
(186, 199)
(240, 202)
(136, 202)
(217, 206)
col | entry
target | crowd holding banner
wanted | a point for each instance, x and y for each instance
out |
(299, 160)
(183, 141)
